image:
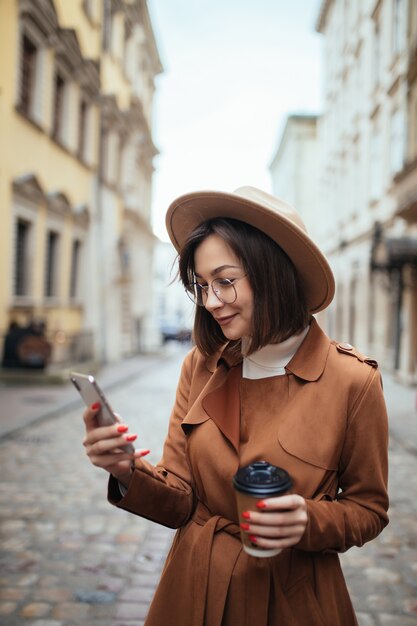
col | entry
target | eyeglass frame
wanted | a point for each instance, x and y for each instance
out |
(205, 290)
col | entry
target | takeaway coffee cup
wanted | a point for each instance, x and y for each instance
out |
(255, 482)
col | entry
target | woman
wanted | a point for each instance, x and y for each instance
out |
(263, 383)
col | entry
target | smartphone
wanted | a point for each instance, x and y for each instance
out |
(89, 390)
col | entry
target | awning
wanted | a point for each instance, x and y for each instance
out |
(392, 252)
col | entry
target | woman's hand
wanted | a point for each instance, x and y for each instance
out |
(278, 523)
(104, 444)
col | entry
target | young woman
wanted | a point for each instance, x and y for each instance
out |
(263, 383)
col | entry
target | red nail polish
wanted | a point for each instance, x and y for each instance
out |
(130, 437)
(246, 515)
(122, 428)
(253, 539)
(244, 526)
(261, 504)
(144, 452)
(96, 406)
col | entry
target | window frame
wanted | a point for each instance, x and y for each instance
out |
(397, 147)
(52, 264)
(21, 259)
(60, 128)
(35, 111)
(76, 262)
(26, 212)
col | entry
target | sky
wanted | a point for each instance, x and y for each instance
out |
(233, 71)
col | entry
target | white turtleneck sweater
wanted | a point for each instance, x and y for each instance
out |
(271, 359)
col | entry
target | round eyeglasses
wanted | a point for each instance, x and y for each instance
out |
(223, 288)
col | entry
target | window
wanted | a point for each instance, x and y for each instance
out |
(75, 267)
(356, 176)
(398, 30)
(412, 122)
(397, 141)
(375, 165)
(51, 263)
(107, 24)
(21, 261)
(28, 76)
(58, 108)
(82, 129)
(377, 50)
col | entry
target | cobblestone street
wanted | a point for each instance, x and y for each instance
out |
(70, 559)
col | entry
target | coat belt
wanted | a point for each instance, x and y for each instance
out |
(202, 551)
(259, 575)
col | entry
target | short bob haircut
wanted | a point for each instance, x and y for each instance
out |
(280, 307)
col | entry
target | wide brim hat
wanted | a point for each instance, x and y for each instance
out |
(272, 216)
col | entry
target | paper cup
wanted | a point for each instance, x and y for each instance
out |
(255, 482)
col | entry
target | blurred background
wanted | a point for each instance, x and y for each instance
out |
(109, 109)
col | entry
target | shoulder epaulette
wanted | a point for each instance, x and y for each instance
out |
(347, 348)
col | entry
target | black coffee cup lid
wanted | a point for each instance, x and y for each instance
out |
(261, 479)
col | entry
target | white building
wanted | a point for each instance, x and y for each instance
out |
(368, 175)
(295, 168)
(295, 173)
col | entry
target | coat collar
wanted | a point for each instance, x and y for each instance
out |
(310, 359)
(222, 355)
(219, 400)
(308, 362)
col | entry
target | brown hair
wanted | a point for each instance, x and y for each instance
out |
(280, 308)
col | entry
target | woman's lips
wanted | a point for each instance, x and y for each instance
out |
(222, 321)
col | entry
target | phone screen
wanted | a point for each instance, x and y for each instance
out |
(91, 393)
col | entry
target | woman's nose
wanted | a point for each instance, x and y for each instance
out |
(212, 301)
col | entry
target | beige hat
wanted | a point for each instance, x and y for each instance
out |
(275, 218)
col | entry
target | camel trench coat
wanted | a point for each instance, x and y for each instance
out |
(329, 432)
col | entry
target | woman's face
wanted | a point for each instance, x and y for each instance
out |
(215, 259)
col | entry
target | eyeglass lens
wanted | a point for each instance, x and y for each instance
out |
(222, 287)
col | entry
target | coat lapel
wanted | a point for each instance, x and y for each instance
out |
(223, 406)
(219, 401)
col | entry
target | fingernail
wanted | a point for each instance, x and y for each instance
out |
(244, 526)
(96, 406)
(261, 504)
(144, 452)
(122, 428)
(246, 515)
(252, 539)
(130, 437)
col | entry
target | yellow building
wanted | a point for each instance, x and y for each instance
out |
(76, 150)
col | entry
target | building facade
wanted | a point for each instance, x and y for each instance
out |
(367, 138)
(76, 152)
(295, 169)
(295, 173)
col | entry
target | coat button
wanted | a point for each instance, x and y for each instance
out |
(346, 346)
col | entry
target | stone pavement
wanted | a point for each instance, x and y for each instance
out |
(23, 403)
(382, 575)
(67, 557)
(70, 559)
